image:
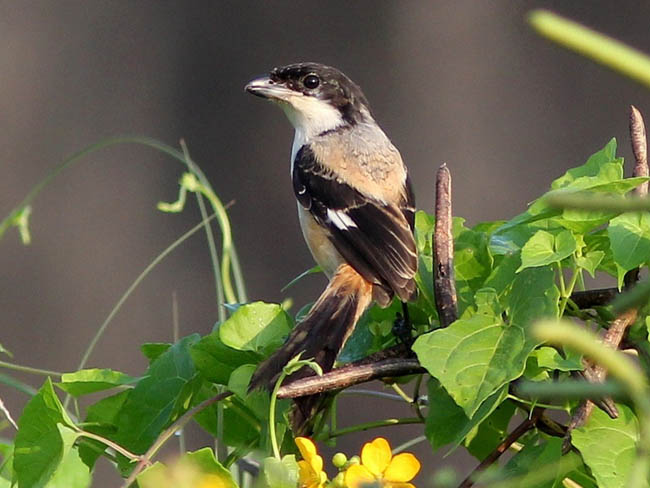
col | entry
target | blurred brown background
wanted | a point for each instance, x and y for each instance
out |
(466, 83)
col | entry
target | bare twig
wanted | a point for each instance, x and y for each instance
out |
(145, 460)
(444, 288)
(520, 430)
(640, 149)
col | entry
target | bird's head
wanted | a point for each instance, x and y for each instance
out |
(315, 97)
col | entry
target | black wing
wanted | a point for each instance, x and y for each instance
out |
(373, 237)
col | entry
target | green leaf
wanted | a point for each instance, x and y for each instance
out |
(487, 302)
(216, 361)
(591, 168)
(361, 341)
(152, 350)
(374, 331)
(629, 235)
(472, 263)
(598, 241)
(533, 372)
(611, 465)
(473, 358)
(447, 423)
(101, 420)
(544, 466)
(240, 378)
(246, 421)
(582, 221)
(88, 381)
(511, 236)
(71, 473)
(424, 279)
(257, 408)
(533, 296)
(40, 444)
(157, 398)
(6, 462)
(424, 229)
(280, 473)
(609, 178)
(490, 432)
(545, 248)
(259, 327)
(199, 468)
(602, 173)
(504, 273)
(549, 358)
(445, 419)
(590, 261)
(295, 364)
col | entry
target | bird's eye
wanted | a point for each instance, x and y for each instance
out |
(311, 81)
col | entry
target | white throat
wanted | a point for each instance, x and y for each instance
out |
(310, 117)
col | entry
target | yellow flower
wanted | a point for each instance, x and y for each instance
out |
(311, 474)
(380, 468)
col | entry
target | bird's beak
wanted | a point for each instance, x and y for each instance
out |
(266, 88)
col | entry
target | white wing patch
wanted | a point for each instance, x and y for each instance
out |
(340, 219)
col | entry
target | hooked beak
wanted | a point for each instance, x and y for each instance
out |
(266, 88)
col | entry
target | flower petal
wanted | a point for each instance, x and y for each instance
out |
(402, 468)
(376, 455)
(316, 463)
(306, 447)
(356, 476)
(306, 474)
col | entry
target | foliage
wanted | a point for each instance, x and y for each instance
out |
(510, 275)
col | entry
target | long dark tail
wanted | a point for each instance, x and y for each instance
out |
(323, 332)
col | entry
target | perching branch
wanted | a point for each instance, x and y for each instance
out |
(444, 287)
(393, 362)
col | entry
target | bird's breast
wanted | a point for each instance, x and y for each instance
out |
(316, 236)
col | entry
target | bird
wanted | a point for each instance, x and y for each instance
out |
(356, 209)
